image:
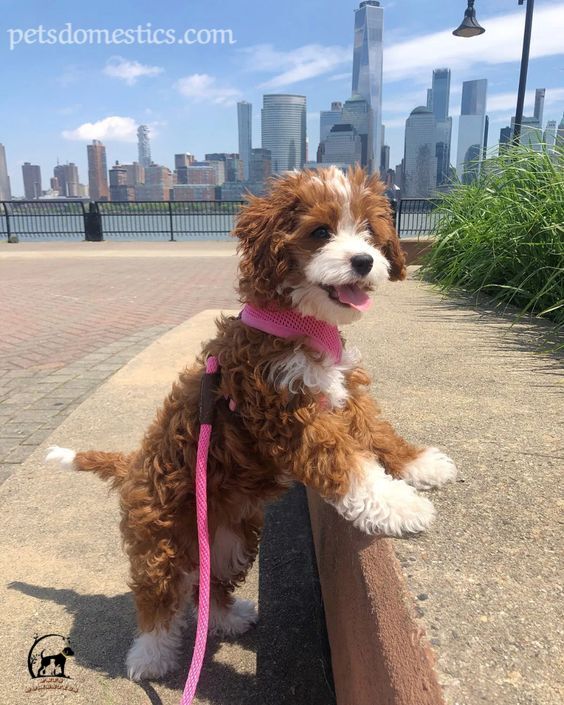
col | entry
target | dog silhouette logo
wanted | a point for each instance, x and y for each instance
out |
(48, 656)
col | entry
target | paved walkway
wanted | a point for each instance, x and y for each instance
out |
(72, 314)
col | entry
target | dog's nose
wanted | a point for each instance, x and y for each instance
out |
(362, 264)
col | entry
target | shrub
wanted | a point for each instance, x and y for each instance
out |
(504, 234)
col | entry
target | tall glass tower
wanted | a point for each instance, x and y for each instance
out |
(440, 97)
(420, 160)
(284, 130)
(440, 93)
(472, 129)
(5, 190)
(143, 146)
(245, 124)
(367, 67)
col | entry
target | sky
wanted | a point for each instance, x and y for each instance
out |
(56, 97)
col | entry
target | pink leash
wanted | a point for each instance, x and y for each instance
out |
(206, 411)
(286, 324)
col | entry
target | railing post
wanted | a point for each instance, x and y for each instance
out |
(394, 207)
(93, 224)
(8, 230)
(398, 217)
(171, 221)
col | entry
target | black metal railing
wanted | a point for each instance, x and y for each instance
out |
(172, 220)
(416, 217)
(44, 220)
(159, 220)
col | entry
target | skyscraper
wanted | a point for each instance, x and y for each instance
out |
(32, 180)
(549, 137)
(328, 118)
(67, 178)
(261, 166)
(342, 146)
(5, 190)
(531, 133)
(97, 172)
(120, 189)
(284, 131)
(440, 94)
(560, 134)
(143, 146)
(472, 129)
(539, 105)
(474, 96)
(157, 186)
(420, 160)
(358, 113)
(232, 166)
(504, 138)
(367, 66)
(440, 98)
(245, 124)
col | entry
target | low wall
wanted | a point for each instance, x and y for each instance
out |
(379, 655)
(415, 249)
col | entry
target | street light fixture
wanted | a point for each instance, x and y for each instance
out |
(471, 28)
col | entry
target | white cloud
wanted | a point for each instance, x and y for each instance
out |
(346, 76)
(504, 102)
(202, 87)
(296, 65)
(501, 43)
(113, 128)
(129, 71)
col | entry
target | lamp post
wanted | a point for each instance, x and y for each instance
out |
(470, 28)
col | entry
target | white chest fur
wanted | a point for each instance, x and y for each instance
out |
(299, 372)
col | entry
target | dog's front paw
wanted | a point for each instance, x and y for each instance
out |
(233, 620)
(378, 504)
(431, 468)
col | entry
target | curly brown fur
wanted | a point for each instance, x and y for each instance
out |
(277, 435)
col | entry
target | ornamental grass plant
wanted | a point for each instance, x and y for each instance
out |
(503, 235)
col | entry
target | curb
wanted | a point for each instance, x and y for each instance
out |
(380, 656)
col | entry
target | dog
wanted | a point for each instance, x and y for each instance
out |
(286, 411)
(59, 660)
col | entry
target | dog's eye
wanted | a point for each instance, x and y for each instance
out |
(321, 233)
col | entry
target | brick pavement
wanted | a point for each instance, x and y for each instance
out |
(71, 316)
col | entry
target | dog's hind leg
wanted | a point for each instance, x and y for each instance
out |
(233, 552)
(160, 587)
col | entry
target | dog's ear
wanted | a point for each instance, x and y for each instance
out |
(394, 254)
(262, 229)
(391, 247)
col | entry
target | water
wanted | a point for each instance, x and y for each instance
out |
(193, 226)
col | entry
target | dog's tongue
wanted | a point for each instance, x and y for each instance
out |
(354, 296)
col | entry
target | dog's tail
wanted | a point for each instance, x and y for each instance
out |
(108, 466)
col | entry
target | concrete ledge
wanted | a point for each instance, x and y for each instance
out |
(415, 249)
(380, 656)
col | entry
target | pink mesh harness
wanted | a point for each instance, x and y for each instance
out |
(322, 336)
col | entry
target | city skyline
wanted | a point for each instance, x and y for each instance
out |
(197, 115)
